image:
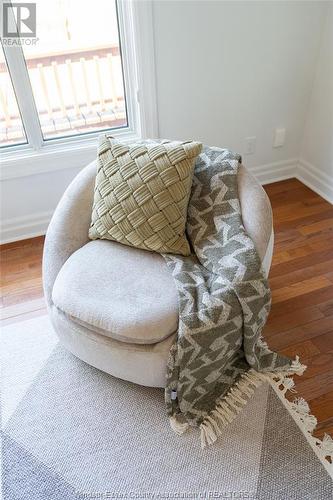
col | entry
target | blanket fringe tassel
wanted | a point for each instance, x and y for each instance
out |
(238, 396)
(178, 427)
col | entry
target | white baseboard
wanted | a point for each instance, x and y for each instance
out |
(305, 172)
(315, 179)
(27, 226)
(274, 172)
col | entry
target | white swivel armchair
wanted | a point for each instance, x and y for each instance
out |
(116, 307)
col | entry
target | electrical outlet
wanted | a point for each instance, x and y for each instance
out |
(250, 145)
(279, 137)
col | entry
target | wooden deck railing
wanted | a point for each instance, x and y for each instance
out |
(77, 90)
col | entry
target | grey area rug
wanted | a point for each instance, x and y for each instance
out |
(71, 431)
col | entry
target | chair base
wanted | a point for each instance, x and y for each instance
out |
(143, 364)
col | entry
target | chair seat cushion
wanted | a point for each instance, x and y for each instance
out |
(118, 291)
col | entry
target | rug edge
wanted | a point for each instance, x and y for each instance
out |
(299, 410)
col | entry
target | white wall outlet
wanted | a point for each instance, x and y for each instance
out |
(250, 145)
(279, 137)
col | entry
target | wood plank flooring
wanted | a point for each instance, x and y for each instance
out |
(301, 278)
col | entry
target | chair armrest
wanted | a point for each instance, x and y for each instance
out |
(257, 215)
(267, 260)
(69, 226)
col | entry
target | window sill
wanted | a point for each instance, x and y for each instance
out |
(23, 161)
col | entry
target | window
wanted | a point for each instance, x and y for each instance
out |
(75, 68)
(89, 67)
(11, 127)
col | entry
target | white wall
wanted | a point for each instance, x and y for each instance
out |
(317, 147)
(225, 71)
(27, 203)
(229, 70)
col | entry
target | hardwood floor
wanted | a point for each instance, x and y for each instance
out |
(301, 278)
(21, 291)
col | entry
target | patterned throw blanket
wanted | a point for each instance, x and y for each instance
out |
(219, 357)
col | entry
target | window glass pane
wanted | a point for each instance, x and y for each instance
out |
(11, 127)
(75, 67)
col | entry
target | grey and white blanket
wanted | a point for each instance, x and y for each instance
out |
(219, 356)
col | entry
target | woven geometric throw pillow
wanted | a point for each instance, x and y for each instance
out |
(142, 193)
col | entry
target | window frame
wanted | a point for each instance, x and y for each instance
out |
(135, 21)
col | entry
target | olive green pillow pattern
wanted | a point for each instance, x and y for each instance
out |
(142, 193)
